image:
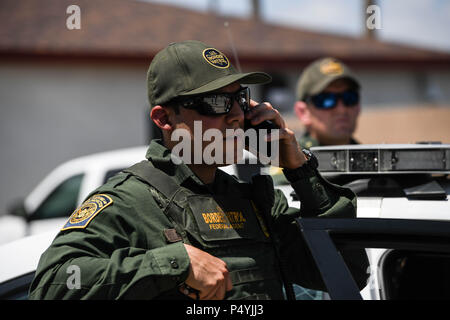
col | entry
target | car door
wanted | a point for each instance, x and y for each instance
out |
(414, 265)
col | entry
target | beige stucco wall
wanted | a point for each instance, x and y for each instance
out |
(405, 125)
(398, 124)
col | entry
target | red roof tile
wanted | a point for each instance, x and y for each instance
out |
(134, 29)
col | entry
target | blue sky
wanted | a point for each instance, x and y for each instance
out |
(423, 23)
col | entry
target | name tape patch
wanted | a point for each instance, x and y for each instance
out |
(81, 217)
(224, 220)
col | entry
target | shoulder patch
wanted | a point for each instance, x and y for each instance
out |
(81, 217)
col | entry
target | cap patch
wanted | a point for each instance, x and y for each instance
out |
(81, 217)
(216, 58)
(331, 68)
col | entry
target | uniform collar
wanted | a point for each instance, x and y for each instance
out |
(160, 157)
(308, 142)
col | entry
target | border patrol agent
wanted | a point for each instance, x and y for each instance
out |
(160, 230)
(327, 103)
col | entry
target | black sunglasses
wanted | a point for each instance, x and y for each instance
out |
(329, 100)
(217, 103)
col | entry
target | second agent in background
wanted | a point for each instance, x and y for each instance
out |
(327, 103)
(328, 106)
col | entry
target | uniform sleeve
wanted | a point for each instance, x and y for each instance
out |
(321, 199)
(112, 258)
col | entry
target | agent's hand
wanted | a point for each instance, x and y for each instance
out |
(290, 154)
(207, 274)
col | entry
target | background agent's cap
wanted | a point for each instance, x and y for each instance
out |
(191, 68)
(319, 74)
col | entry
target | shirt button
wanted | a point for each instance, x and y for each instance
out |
(174, 264)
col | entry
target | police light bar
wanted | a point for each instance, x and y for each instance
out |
(384, 158)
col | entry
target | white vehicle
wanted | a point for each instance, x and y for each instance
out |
(47, 207)
(396, 183)
(403, 223)
(19, 262)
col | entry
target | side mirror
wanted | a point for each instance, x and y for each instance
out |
(18, 209)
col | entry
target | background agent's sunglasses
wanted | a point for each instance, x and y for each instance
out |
(329, 100)
(218, 103)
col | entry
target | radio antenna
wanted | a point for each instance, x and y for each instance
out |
(233, 48)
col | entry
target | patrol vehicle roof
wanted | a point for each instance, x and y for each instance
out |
(416, 171)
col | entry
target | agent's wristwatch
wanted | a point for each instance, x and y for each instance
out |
(307, 170)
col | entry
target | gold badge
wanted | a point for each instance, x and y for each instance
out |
(81, 217)
(331, 67)
(216, 58)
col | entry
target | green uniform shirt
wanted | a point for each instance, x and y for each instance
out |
(117, 240)
(306, 141)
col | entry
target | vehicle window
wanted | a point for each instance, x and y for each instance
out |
(16, 289)
(111, 173)
(416, 275)
(62, 201)
(409, 259)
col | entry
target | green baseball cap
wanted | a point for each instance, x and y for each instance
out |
(319, 74)
(191, 68)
